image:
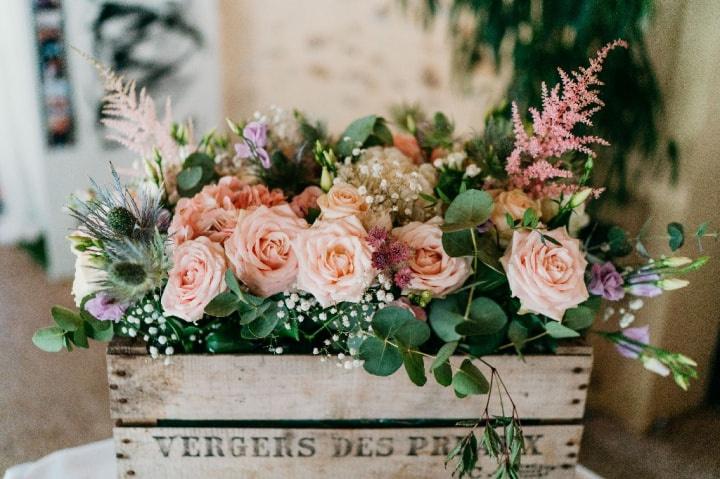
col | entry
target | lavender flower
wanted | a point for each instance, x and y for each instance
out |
(253, 146)
(607, 282)
(105, 308)
(640, 334)
(644, 285)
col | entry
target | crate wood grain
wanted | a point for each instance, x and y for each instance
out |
(262, 416)
(418, 453)
(266, 387)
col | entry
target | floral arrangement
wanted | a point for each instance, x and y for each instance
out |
(376, 249)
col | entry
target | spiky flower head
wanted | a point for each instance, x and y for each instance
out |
(134, 267)
(113, 214)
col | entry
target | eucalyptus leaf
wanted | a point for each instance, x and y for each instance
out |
(50, 339)
(263, 324)
(468, 210)
(469, 380)
(415, 367)
(445, 316)
(458, 243)
(486, 317)
(676, 232)
(66, 319)
(79, 337)
(227, 341)
(445, 353)
(578, 318)
(399, 323)
(518, 334)
(558, 331)
(223, 305)
(232, 283)
(189, 181)
(443, 374)
(381, 358)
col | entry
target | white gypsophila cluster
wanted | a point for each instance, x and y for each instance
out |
(391, 184)
(627, 314)
(148, 320)
(344, 325)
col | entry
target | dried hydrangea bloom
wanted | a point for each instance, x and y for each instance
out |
(391, 184)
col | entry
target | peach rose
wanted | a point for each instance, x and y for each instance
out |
(213, 211)
(514, 203)
(342, 200)
(334, 260)
(197, 276)
(409, 147)
(302, 204)
(547, 278)
(433, 270)
(260, 249)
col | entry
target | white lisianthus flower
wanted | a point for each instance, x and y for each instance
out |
(652, 364)
(87, 276)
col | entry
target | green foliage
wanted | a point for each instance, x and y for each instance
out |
(468, 210)
(486, 317)
(198, 170)
(469, 380)
(50, 339)
(561, 33)
(558, 331)
(371, 130)
(676, 234)
(445, 315)
(618, 242)
(71, 329)
(415, 367)
(381, 358)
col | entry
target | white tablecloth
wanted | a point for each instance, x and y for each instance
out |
(97, 461)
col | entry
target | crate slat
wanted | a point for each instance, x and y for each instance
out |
(418, 453)
(266, 387)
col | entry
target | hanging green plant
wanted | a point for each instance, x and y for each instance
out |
(545, 34)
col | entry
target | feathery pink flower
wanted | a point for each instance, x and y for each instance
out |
(566, 105)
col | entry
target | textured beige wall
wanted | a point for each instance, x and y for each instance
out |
(339, 59)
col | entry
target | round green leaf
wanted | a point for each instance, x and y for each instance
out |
(413, 332)
(189, 181)
(470, 380)
(415, 367)
(486, 317)
(458, 243)
(66, 319)
(388, 320)
(222, 305)
(445, 352)
(578, 318)
(220, 342)
(381, 358)
(263, 325)
(443, 374)
(444, 317)
(558, 331)
(50, 339)
(468, 210)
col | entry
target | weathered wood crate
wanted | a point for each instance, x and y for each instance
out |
(261, 416)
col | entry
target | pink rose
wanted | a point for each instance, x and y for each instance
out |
(547, 278)
(334, 260)
(260, 249)
(514, 203)
(214, 210)
(409, 147)
(342, 200)
(197, 276)
(305, 201)
(432, 269)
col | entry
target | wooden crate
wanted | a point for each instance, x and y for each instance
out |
(262, 416)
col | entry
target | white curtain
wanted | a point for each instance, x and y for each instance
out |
(21, 147)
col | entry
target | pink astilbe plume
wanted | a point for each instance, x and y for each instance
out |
(535, 160)
(133, 117)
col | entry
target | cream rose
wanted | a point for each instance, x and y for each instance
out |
(260, 249)
(334, 260)
(342, 200)
(547, 278)
(197, 276)
(433, 270)
(514, 203)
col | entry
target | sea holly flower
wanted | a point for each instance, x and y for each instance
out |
(606, 282)
(255, 139)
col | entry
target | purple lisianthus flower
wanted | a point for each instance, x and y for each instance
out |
(607, 282)
(255, 136)
(645, 285)
(105, 308)
(640, 334)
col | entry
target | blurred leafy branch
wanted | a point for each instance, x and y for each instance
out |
(564, 33)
